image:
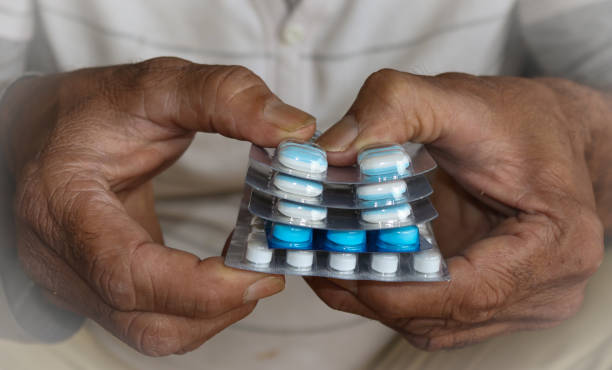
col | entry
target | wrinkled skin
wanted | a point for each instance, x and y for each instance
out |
(83, 158)
(519, 160)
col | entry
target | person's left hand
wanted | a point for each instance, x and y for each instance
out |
(518, 220)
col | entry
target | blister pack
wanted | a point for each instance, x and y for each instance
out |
(350, 196)
(375, 164)
(406, 255)
(366, 222)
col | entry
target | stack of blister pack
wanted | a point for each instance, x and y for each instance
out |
(370, 221)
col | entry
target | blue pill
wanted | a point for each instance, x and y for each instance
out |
(345, 241)
(293, 234)
(401, 239)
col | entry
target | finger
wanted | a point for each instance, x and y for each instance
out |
(395, 107)
(150, 333)
(160, 335)
(139, 204)
(338, 297)
(230, 100)
(129, 271)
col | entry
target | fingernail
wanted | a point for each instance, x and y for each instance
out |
(286, 117)
(340, 136)
(262, 288)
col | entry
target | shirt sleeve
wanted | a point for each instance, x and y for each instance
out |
(25, 315)
(569, 38)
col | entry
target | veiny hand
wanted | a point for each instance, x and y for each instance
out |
(518, 215)
(83, 147)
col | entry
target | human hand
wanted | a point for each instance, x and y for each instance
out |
(83, 158)
(518, 219)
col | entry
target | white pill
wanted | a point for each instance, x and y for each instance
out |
(257, 249)
(302, 157)
(384, 160)
(301, 259)
(427, 261)
(387, 214)
(383, 190)
(385, 263)
(295, 185)
(301, 211)
(343, 262)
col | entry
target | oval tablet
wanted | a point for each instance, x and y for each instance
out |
(302, 157)
(384, 160)
(386, 214)
(301, 211)
(384, 190)
(296, 185)
(427, 261)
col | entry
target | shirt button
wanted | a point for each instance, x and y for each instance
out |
(292, 34)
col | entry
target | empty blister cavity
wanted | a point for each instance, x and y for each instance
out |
(401, 239)
(384, 160)
(392, 214)
(384, 263)
(427, 261)
(343, 247)
(301, 211)
(380, 191)
(257, 251)
(304, 157)
(298, 186)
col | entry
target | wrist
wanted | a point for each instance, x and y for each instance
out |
(19, 102)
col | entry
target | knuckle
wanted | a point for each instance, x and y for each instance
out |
(114, 282)
(386, 84)
(480, 304)
(210, 304)
(231, 81)
(159, 338)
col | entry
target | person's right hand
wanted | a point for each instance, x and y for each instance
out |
(83, 147)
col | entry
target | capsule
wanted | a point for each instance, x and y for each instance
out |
(388, 160)
(302, 157)
(396, 213)
(301, 211)
(298, 186)
(384, 190)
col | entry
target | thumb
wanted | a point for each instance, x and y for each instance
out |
(395, 107)
(230, 100)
